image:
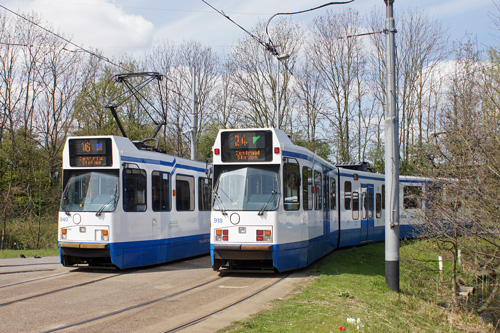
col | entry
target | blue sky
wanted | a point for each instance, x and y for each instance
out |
(131, 26)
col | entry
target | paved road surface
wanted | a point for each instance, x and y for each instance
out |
(50, 297)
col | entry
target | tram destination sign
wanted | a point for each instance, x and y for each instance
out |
(90, 152)
(247, 146)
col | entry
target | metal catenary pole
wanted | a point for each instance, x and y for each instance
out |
(194, 119)
(391, 158)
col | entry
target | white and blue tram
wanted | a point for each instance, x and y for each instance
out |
(278, 206)
(127, 205)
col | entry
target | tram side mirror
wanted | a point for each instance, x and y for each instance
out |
(56, 177)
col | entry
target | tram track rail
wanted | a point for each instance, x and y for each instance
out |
(32, 280)
(134, 307)
(163, 298)
(54, 291)
(227, 307)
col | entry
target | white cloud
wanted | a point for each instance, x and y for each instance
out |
(93, 23)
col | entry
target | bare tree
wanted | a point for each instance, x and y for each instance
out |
(338, 60)
(256, 71)
(225, 106)
(466, 169)
(311, 101)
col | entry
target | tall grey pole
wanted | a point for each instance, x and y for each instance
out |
(391, 158)
(194, 119)
(278, 96)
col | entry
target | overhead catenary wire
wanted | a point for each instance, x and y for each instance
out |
(260, 41)
(306, 11)
(61, 37)
(296, 13)
(78, 47)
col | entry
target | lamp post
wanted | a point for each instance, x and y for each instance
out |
(391, 126)
(280, 59)
(194, 120)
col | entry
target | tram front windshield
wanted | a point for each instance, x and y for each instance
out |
(247, 188)
(91, 191)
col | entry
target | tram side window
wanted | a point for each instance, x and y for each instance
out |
(370, 205)
(318, 191)
(355, 205)
(412, 196)
(378, 205)
(160, 188)
(184, 197)
(347, 195)
(365, 206)
(307, 199)
(383, 196)
(291, 186)
(134, 190)
(204, 194)
(333, 194)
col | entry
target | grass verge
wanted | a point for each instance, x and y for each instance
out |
(28, 253)
(351, 284)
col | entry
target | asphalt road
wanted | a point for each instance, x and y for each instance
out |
(47, 297)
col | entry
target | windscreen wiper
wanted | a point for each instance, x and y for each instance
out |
(219, 200)
(65, 201)
(114, 198)
(261, 211)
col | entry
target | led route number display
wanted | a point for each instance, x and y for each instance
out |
(247, 146)
(90, 152)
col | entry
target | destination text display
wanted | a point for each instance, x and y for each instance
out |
(247, 146)
(90, 152)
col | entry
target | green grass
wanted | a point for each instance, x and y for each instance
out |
(28, 253)
(351, 284)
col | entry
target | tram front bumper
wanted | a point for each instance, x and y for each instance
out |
(243, 252)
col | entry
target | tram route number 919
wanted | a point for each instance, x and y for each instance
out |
(217, 220)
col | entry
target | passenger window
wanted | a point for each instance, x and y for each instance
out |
(347, 195)
(383, 196)
(291, 183)
(307, 199)
(134, 190)
(365, 206)
(355, 205)
(160, 188)
(184, 186)
(204, 194)
(378, 205)
(370, 205)
(412, 196)
(333, 194)
(318, 197)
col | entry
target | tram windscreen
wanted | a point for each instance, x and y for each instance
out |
(247, 146)
(91, 191)
(247, 188)
(95, 152)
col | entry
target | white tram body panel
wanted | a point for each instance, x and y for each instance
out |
(412, 190)
(265, 225)
(127, 207)
(278, 206)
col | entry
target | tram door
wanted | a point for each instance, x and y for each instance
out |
(367, 219)
(326, 209)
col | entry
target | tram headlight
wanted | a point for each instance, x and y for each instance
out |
(104, 235)
(64, 233)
